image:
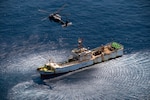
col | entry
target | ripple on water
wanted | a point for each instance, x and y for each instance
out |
(122, 78)
(28, 64)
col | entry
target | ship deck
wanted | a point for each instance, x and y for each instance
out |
(96, 52)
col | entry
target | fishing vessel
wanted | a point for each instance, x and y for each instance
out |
(82, 57)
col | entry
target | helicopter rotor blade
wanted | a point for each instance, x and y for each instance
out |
(61, 8)
(43, 11)
(44, 19)
(65, 14)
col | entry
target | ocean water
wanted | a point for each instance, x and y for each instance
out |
(26, 43)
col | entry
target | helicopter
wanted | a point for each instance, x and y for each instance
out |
(56, 17)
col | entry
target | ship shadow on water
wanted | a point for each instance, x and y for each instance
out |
(40, 81)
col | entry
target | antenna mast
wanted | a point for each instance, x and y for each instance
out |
(80, 43)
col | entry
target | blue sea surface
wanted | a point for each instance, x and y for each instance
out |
(26, 43)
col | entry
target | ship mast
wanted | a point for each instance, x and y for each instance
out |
(80, 43)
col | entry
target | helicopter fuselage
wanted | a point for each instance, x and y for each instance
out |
(55, 17)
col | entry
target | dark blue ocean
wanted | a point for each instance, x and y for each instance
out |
(26, 43)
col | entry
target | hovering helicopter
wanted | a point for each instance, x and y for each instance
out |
(56, 17)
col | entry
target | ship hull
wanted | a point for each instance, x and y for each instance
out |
(79, 65)
(47, 76)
